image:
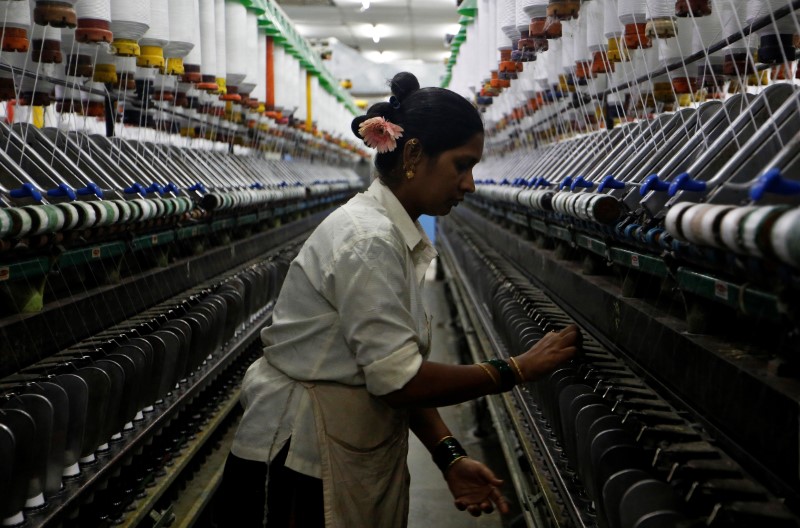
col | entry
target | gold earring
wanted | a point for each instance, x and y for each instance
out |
(409, 174)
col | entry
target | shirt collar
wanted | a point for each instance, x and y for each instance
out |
(410, 230)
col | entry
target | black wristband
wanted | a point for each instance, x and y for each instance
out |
(507, 378)
(446, 452)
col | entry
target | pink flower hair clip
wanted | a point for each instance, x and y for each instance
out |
(378, 133)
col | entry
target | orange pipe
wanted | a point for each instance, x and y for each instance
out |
(270, 75)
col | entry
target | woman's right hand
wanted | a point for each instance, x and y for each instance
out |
(549, 352)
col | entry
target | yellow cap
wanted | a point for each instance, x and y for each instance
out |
(685, 100)
(175, 66)
(188, 132)
(105, 73)
(617, 52)
(125, 48)
(151, 57)
(223, 87)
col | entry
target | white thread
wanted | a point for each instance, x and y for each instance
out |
(158, 32)
(195, 56)
(260, 91)
(660, 9)
(508, 13)
(15, 14)
(237, 57)
(580, 49)
(130, 20)
(594, 16)
(251, 54)
(521, 19)
(208, 38)
(536, 9)
(611, 25)
(568, 46)
(219, 28)
(182, 36)
(632, 11)
(93, 9)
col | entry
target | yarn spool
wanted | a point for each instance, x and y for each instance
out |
(182, 36)
(155, 38)
(208, 45)
(776, 43)
(661, 19)
(542, 27)
(17, 17)
(193, 60)
(247, 85)
(222, 48)
(236, 52)
(94, 21)
(129, 22)
(633, 17)
(58, 14)
(785, 237)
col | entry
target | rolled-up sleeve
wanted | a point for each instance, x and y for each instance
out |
(371, 295)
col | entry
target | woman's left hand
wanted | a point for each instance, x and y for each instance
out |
(475, 488)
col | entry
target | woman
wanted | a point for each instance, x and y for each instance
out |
(344, 374)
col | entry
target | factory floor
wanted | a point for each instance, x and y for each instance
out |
(431, 501)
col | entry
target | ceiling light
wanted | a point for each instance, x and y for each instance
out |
(364, 5)
(376, 36)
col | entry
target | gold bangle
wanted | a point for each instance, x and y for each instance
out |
(454, 461)
(516, 367)
(442, 439)
(489, 373)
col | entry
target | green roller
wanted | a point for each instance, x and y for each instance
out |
(159, 206)
(44, 219)
(71, 215)
(136, 210)
(21, 220)
(87, 215)
(125, 211)
(112, 213)
(148, 209)
(169, 206)
(6, 223)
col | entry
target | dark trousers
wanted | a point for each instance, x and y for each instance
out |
(295, 500)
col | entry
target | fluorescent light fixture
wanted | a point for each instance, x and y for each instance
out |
(364, 5)
(376, 34)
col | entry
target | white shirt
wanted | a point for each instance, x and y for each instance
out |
(350, 311)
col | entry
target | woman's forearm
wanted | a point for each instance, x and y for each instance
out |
(439, 385)
(428, 426)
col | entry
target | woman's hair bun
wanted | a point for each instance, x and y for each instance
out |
(384, 110)
(403, 84)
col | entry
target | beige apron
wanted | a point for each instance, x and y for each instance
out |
(363, 447)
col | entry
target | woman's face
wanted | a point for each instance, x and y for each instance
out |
(441, 182)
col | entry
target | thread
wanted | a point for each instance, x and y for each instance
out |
(208, 40)
(508, 13)
(219, 28)
(130, 20)
(656, 9)
(632, 11)
(251, 39)
(761, 8)
(593, 15)
(611, 24)
(237, 55)
(182, 26)
(521, 18)
(158, 34)
(260, 91)
(16, 14)
(195, 55)
(93, 9)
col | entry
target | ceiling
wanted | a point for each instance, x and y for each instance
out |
(408, 30)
